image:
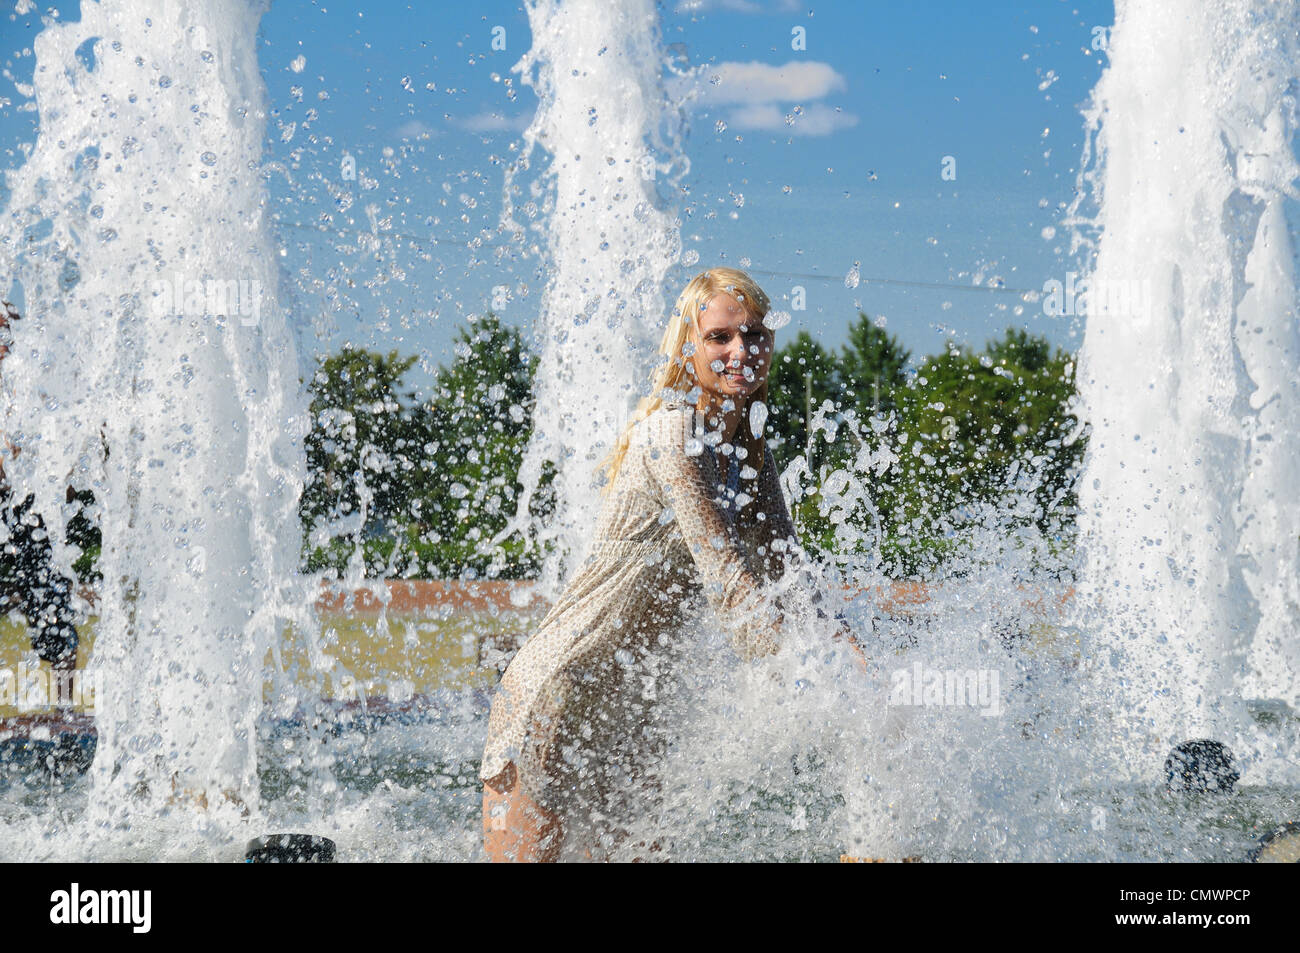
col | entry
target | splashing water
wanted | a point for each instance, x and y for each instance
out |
(599, 79)
(155, 366)
(1187, 371)
(969, 735)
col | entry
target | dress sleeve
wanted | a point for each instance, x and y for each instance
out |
(731, 585)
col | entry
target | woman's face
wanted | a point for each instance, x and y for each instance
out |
(733, 352)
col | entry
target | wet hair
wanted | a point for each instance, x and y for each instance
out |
(673, 379)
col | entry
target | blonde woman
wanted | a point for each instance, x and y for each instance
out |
(692, 504)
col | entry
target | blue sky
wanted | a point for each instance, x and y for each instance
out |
(885, 91)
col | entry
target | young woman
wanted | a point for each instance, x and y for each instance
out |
(692, 504)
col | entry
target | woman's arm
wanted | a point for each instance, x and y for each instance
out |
(730, 583)
(775, 525)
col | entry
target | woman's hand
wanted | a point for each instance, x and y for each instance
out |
(844, 634)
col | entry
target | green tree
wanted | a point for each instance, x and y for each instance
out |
(803, 375)
(479, 422)
(967, 427)
(873, 365)
(359, 452)
(438, 478)
(861, 377)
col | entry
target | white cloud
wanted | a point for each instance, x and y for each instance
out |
(415, 129)
(764, 95)
(734, 6)
(494, 122)
(763, 83)
(815, 120)
(485, 122)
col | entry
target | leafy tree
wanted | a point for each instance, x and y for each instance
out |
(861, 377)
(479, 422)
(803, 375)
(967, 427)
(439, 479)
(360, 454)
(873, 365)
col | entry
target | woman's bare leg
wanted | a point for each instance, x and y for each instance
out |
(516, 829)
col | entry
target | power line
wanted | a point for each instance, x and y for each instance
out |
(338, 232)
(899, 282)
(895, 282)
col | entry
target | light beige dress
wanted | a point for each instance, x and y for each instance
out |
(576, 708)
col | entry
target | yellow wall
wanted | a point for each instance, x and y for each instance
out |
(409, 655)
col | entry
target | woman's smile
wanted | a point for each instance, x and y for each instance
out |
(735, 348)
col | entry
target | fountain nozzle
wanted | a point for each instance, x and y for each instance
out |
(1201, 766)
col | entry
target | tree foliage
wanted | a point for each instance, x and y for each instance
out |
(931, 444)
(967, 430)
(435, 479)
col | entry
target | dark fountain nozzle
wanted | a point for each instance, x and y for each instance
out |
(1279, 846)
(1203, 766)
(290, 849)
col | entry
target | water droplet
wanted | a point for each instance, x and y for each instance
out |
(208, 158)
(164, 82)
(852, 279)
(757, 418)
(720, 126)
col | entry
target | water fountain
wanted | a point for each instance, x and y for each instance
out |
(1188, 511)
(612, 132)
(156, 364)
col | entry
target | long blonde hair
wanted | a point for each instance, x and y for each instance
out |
(673, 380)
